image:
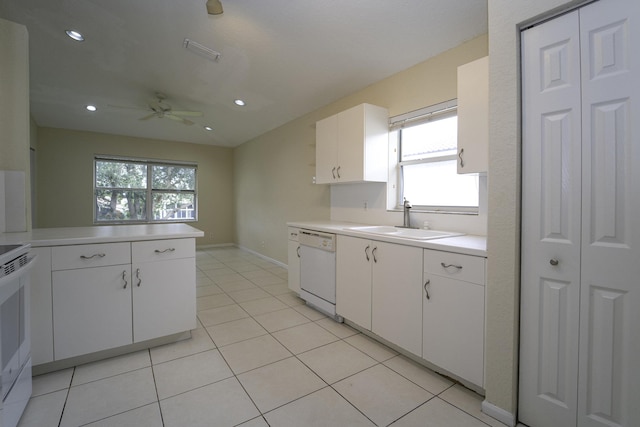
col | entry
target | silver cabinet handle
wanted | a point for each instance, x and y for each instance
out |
(124, 279)
(366, 252)
(333, 172)
(426, 291)
(373, 252)
(338, 172)
(460, 156)
(158, 251)
(139, 277)
(554, 262)
(298, 251)
(459, 267)
(93, 256)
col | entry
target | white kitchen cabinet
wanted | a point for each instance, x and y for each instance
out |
(293, 258)
(164, 292)
(41, 308)
(453, 314)
(91, 309)
(473, 116)
(111, 295)
(353, 279)
(352, 146)
(396, 307)
(378, 287)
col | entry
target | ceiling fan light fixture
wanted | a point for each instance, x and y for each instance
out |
(214, 7)
(75, 35)
(239, 102)
(208, 128)
(91, 108)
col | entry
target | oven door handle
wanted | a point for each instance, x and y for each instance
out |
(16, 274)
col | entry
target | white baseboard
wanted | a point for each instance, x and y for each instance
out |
(258, 254)
(499, 414)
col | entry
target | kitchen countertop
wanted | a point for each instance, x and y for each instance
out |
(100, 234)
(466, 244)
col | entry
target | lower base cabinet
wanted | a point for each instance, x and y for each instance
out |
(162, 303)
(429, 303)
(453, 314)
(396, 307)
(453, 329)
(111, 295)
(91, 310)
(378, 287)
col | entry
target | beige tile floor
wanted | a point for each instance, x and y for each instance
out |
(259, 357)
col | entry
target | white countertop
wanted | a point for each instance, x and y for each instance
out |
(466, 244)
(100, 234)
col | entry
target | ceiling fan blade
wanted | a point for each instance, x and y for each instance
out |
(187, 113)
(179, 119)
(150, 116)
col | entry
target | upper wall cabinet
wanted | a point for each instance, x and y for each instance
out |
(473, 116)
(352, 146)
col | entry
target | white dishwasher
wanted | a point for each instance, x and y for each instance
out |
(318, 270)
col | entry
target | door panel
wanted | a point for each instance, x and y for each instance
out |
(609, 383)
(550, 223)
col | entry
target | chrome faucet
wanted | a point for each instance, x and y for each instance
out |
(407, 220)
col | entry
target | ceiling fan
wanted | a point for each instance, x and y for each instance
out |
(161, 109)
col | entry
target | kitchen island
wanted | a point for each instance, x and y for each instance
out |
(101, 291)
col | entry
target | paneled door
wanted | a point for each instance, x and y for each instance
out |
(551, 226)
(580, 296)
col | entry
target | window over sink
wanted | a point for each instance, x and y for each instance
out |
(143, 191)
(425, 146)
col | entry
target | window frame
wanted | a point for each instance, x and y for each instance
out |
(149, 190)
(416, 118)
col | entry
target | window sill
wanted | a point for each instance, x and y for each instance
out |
(436, 211)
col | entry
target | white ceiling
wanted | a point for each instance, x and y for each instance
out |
(285, 58)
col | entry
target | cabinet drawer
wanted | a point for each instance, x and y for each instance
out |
(85, 256)
(157, 250)
(293, 234)
(461, 267)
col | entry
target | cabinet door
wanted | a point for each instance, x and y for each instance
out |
(351, 140)
(473, 116)
(294, 266)
(453, 326)
(91, 310)
(326, 150)
(396, 297)
(363, 144)
(41, 308)
(164, 298)
(353, 280)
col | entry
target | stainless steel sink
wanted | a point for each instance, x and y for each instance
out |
(407, 233)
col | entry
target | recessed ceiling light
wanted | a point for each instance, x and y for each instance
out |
(75, 35)
(91, 108)
(209, 128)
(240, 102)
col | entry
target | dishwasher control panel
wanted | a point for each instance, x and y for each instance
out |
(319, 240)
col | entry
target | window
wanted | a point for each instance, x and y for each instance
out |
(427, 163)
(127, 190)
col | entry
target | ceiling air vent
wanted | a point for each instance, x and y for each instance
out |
(201, 50)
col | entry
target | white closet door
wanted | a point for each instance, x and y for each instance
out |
(550, 223)
(609, 385)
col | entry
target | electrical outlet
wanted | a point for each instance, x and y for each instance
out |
(366, 205)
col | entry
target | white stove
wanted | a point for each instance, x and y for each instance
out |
(15, 336)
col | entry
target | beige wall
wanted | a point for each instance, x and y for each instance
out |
(504, 195)
(65, 178)
(274, 172)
